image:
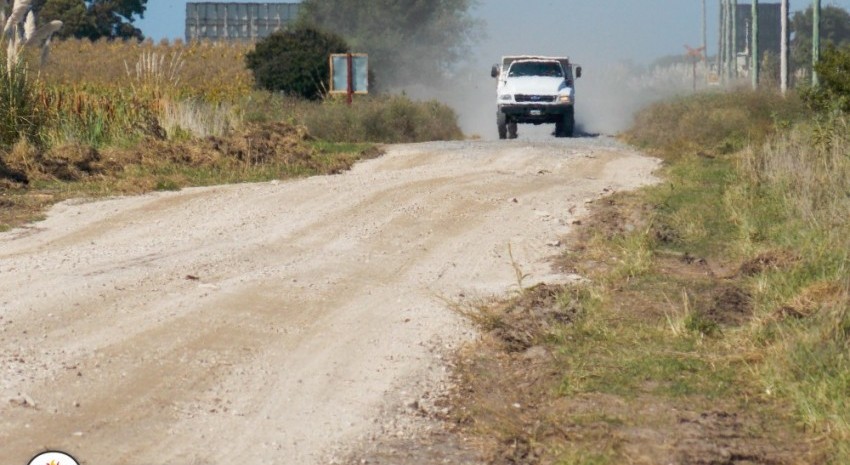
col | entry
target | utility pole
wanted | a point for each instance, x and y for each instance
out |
(756, 62)
(734, 55)
(704, 33)
(721, 46)
(784, 49)
(729, 38)
(815, 41)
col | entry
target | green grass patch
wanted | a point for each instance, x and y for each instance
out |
(689, 206)
(773, 215)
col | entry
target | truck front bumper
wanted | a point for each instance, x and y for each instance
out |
(535, 113)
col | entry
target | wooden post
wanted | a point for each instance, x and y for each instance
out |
(350, 63)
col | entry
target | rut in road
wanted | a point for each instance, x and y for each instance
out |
(274, 322)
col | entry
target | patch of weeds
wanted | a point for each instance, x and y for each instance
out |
(634, 253)
(166, 184)
(637, 360)
(536, 315)
(579, 456)
(700, 324)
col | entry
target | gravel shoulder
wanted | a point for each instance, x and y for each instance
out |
(276, 322)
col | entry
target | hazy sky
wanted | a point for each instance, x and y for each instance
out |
(591, 31)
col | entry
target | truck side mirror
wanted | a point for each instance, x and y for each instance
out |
(578, 72)
(495, 71)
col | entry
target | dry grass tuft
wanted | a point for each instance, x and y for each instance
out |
(812, 298)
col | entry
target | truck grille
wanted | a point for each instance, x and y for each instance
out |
(535, 98)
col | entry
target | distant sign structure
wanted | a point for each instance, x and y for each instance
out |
(340, 73)
(223, 21)
(770, 27)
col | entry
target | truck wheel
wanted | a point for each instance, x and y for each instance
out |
(512, 130)
(565, 127)
(502, 124)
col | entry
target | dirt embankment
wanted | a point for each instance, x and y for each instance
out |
(276, 322)
(266, 143)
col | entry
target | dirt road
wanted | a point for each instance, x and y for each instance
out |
(273, 323)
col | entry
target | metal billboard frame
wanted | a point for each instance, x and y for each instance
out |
(349, 73)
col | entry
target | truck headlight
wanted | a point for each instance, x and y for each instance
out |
(565, 99)
(506, 97)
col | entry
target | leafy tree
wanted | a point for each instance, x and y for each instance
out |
(296, 61)
(834, 74)
(408, 41)
(835, 30)
(93, 19)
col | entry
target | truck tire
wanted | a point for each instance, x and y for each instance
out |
(502, 124)
(566, 126)
(512, 130)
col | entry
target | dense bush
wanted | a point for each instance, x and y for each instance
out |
(295, 62)
(833, 94)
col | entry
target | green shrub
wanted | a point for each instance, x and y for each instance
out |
(295, 62)
(833, 93)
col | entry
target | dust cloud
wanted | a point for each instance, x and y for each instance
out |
(614, 52)
(607, 97)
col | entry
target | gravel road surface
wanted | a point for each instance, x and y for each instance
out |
(274, 323)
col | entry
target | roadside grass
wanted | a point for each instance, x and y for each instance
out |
(377, 119)
(156, 173)
(712, 123)
(715, 319)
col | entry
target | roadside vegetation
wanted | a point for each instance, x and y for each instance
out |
(713, 325)
(84, 118)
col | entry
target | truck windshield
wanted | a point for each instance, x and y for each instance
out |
(536, 68)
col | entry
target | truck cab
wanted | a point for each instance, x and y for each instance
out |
(535, 90)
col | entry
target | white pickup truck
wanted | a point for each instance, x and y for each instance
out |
(535, 90)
